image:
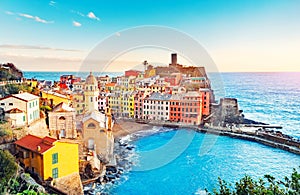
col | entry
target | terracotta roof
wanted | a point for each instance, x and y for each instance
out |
(32, 142)
(62, 107)
(110, 84)
(14, 110)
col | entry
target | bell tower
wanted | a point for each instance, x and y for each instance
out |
(91, 93)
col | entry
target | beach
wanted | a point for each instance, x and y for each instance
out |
(123, 127)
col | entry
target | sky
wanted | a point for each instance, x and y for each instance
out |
(240, 36)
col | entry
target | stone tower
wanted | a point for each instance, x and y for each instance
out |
(91, 93)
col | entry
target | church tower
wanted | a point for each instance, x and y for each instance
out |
(91, 93)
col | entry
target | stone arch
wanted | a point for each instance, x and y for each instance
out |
(61, 118)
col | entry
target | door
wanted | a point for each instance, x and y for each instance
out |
(91, 144)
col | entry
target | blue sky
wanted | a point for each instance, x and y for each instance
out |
(256, 35)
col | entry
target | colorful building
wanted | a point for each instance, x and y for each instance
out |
(27, 103)
(192, 108)
(91, 93)
(47, 157)
(134, 73)
(32, 82)
(157, 107)
(97, 134)
(110, 86)
(56, 98)
(176, 107)
(67, 81)
(206, 99)
(102, 101)
(62, 121)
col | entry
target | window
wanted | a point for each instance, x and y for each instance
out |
(91, 125)
(32, 155)
(55, 173)
(91, 99)
(29, 104)
(24, 118)
(54, 158)
(2, 104)
(25, 154)
(10, 104)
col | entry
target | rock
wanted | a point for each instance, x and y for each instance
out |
(111, 169)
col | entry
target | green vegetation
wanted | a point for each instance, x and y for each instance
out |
(267, 186)
(15, 88)
(10, 180)
(5, 75)
(5, 129)
(8, 168)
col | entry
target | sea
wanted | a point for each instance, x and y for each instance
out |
(181, 161)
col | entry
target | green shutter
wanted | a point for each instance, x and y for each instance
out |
(54, 158)
(55, 173)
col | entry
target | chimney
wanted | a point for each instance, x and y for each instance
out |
(174, 59)
(38, 148)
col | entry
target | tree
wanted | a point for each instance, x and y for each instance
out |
(267, 186)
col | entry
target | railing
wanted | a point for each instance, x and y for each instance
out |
(10, 82)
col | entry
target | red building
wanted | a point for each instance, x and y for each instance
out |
(138, 104)
(67, 80)
(176, 108)
(129, 73)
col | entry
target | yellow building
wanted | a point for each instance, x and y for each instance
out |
(32, 82)
(48, 157)
(128, 104)
(56, 98)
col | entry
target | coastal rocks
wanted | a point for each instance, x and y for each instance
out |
(113, 174)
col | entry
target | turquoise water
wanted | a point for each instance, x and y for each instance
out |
(190, 172)
(267, 97)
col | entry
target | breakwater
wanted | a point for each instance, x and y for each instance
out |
(260, 135)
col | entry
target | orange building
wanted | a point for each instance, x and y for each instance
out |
(205, 93)
(192, 108)
(176, 108)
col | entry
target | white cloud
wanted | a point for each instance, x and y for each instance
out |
(26, 16)
(52, 3)
(77, 24)
(118, 34)
(35, 18)
(93, 16)
(9, 13)
(78, 13)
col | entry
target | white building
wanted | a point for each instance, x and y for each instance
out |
(16, 117)
(25, 102)
(157, 107)
(102, 101)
